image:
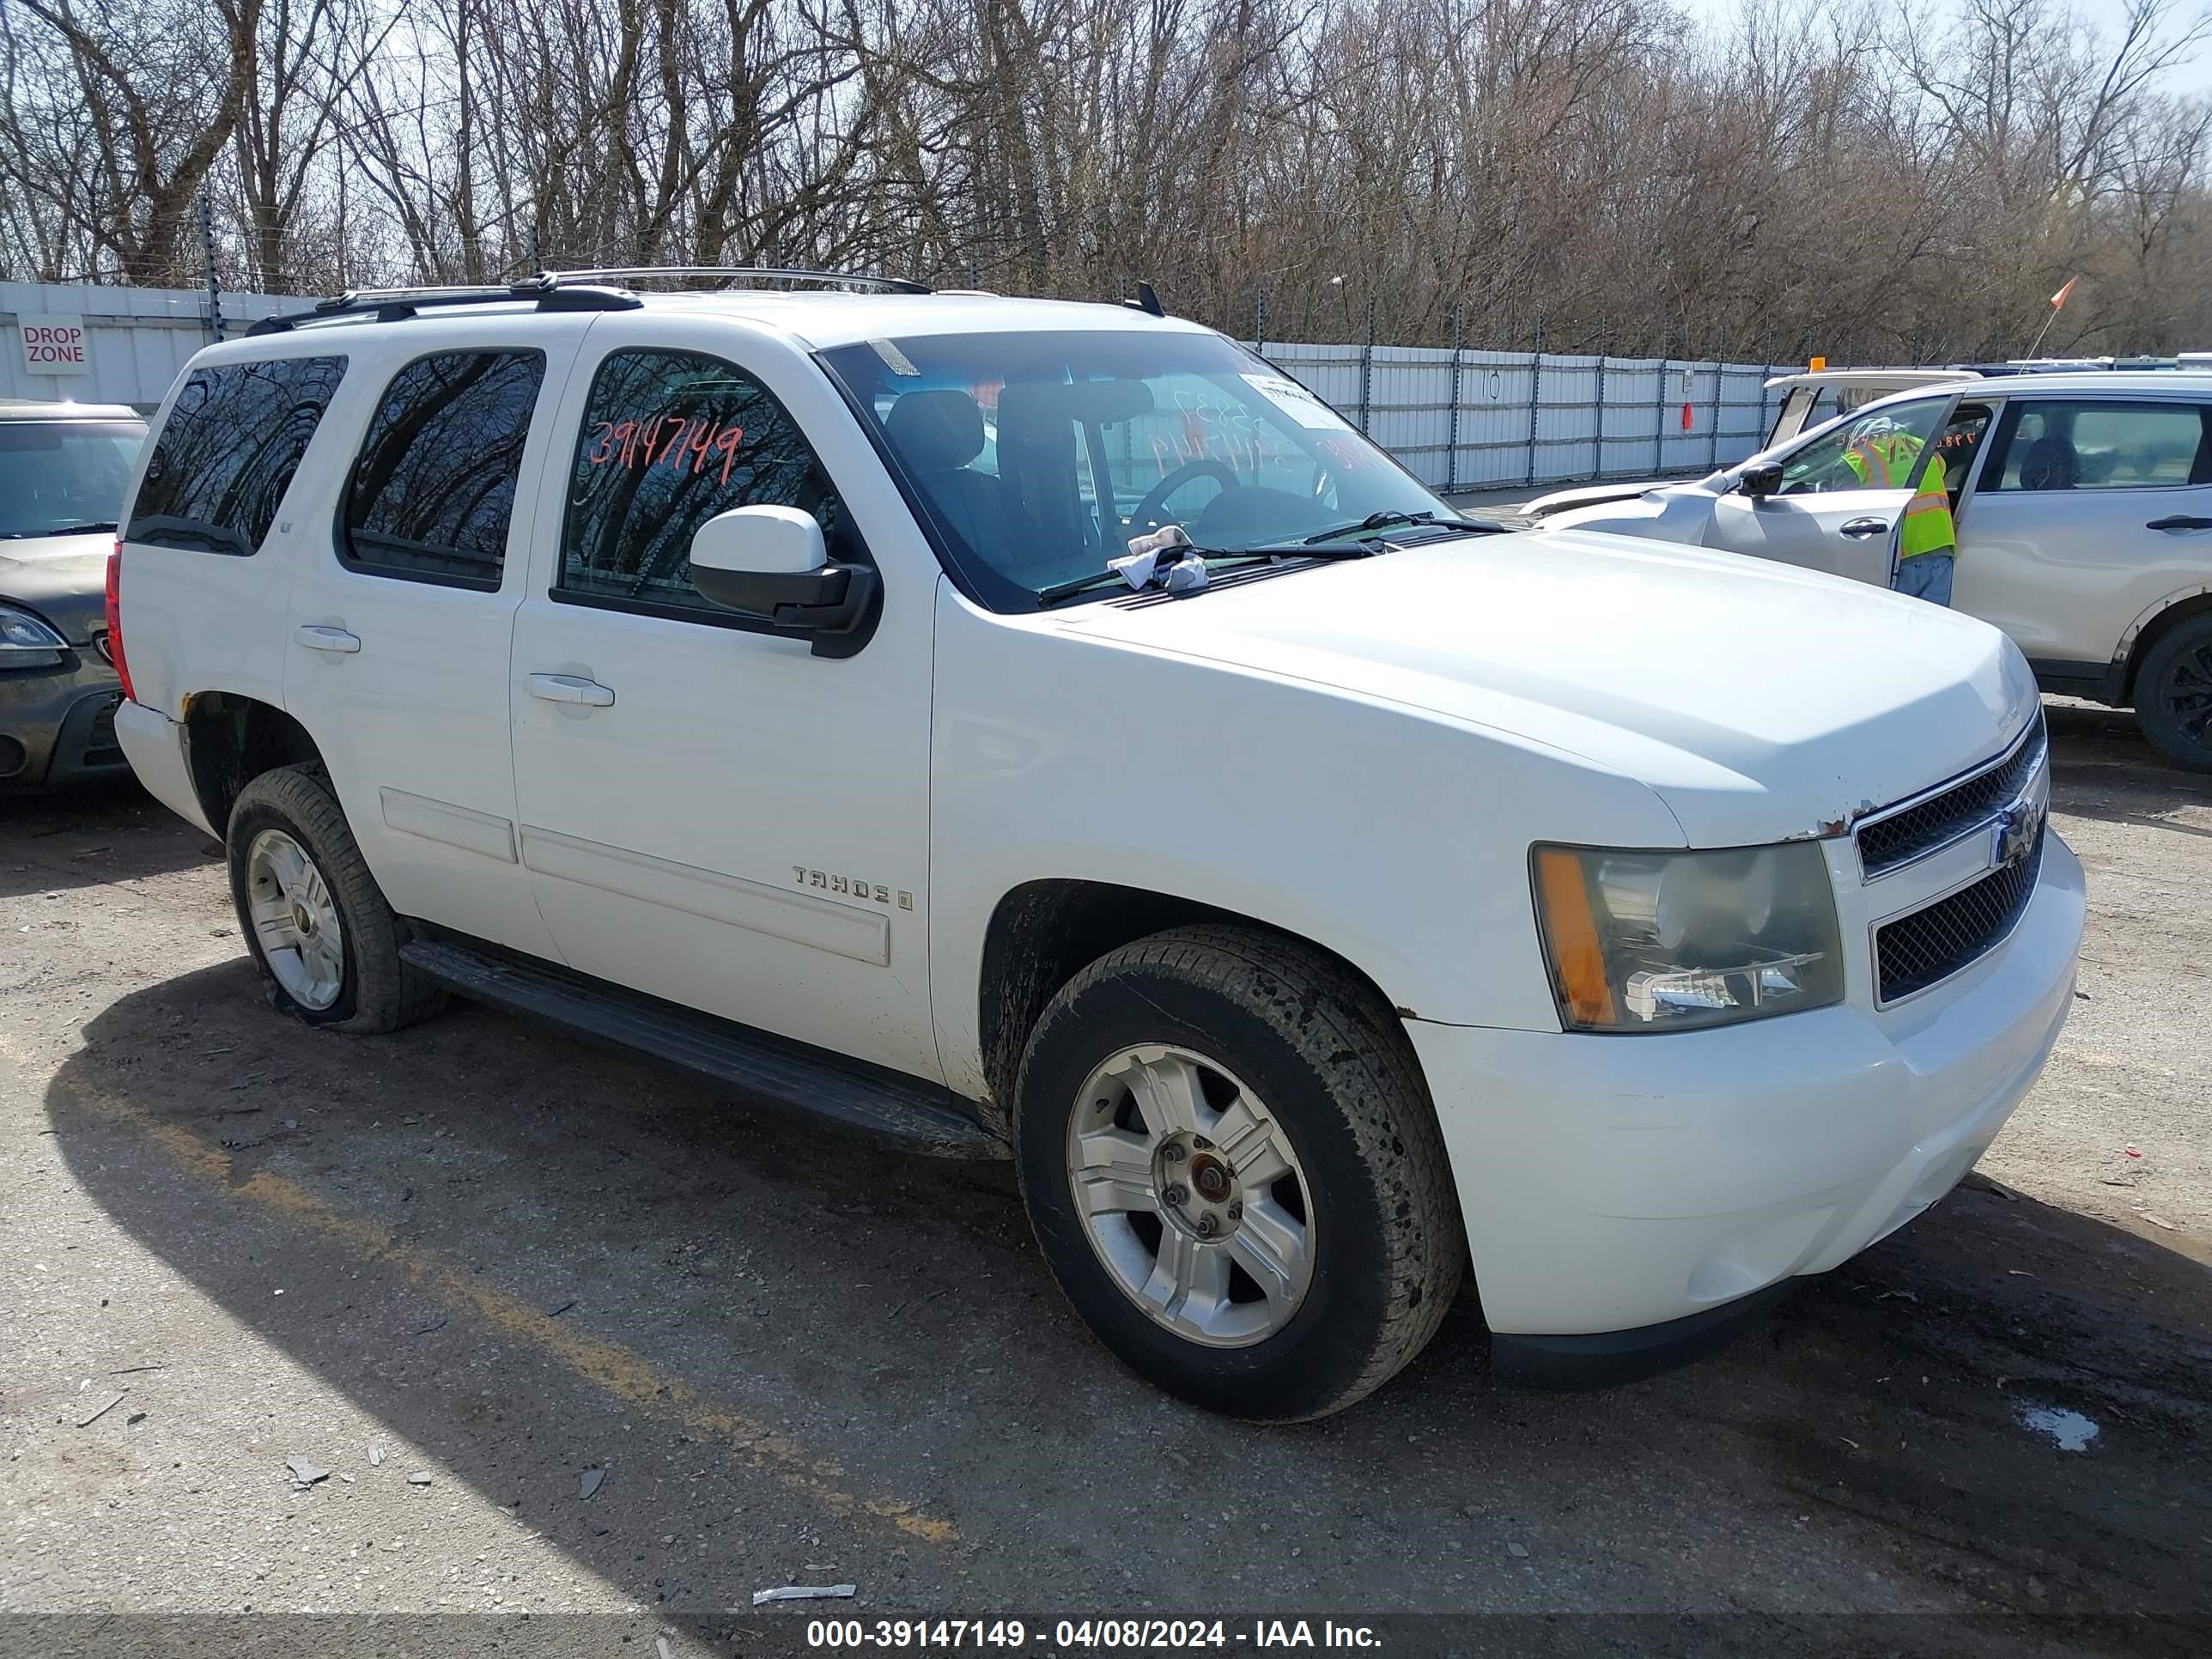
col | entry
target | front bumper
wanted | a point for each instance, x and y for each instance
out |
(1609, 1184)
(57, 724)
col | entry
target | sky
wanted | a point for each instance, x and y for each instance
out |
(2108, 17)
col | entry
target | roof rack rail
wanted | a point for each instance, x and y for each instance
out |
(388, 304)
(732, 273)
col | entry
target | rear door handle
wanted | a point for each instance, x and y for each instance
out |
(571, 688)
(328, 639)
(2179, 521)
(1862, 527)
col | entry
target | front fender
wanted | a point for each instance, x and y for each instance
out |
(1396, 838)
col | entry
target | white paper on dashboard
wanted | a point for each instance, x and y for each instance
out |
(1295, 401)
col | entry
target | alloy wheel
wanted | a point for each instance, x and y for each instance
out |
(296, 920)
(1188, 1190)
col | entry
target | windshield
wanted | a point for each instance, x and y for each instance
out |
(1040, 455)
(60, 475)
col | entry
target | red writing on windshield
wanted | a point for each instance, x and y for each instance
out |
(672, 440)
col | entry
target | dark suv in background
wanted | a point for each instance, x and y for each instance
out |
(64, 469)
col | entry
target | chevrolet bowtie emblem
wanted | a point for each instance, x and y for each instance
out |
(2017, 827)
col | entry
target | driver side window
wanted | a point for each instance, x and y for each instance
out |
(671, 439)
(1877, 451)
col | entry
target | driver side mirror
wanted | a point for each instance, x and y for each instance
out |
(1761, 480)
(771, 561)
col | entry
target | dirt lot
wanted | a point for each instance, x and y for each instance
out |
(505, 1259)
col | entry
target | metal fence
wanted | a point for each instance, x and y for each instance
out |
(1475, 420)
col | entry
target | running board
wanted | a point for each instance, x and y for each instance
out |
(888, 1106)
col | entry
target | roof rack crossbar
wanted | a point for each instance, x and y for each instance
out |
(733, 273)
(388, 304)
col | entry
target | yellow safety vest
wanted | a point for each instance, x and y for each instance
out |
(1880, 462)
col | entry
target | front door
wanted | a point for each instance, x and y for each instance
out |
(712, 812)
(1834, 511)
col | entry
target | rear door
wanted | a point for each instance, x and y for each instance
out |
(1826, 516)
(403, 610)
(2087, 511)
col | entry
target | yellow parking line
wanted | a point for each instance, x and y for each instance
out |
(621, 1372)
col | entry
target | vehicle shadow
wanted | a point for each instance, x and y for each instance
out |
(529, 1259)
(104, 833)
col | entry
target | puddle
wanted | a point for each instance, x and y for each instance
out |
(2070, 1429)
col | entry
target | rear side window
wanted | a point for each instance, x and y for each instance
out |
(2064, 445)
(234, 438)
(670, 440)
(433, 490)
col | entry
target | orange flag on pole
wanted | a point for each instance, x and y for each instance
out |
(2058, 300)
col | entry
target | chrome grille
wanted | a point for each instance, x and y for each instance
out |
(1902, 835)
(1915, 952)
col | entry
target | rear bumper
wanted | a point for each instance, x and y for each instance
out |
(155, 746)
(1610, 1185)
(55, 726)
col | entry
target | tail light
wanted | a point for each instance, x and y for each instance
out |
(115, 618)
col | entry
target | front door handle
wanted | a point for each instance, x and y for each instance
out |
(571, 688)
(2179, 521)
(1860, 528)
(329, 639)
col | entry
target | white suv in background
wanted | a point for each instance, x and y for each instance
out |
(2084, 510)
(743, 677)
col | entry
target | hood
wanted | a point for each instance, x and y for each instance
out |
(62, 578)
(1760, 703)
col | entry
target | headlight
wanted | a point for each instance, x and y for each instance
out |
(27, 642)
(1672, 941)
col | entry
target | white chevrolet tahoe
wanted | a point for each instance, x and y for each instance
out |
(1351, 902)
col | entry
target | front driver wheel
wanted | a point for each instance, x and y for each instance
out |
(1235, 1174)
(2173, 693)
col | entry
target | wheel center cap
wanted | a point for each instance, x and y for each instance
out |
(301, 920)
(1211, 1178)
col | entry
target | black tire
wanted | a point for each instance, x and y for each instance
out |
(378, 993)
(1340, 1079)
(2173, 693)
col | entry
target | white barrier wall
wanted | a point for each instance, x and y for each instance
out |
(135, 339)
(1531, 418)
(1523, 417)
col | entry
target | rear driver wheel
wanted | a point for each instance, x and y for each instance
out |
(2173, 693)
(326, 944)
(1235, 1174)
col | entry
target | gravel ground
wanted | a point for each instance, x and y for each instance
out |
(459, 1268)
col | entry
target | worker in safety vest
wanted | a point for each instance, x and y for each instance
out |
(1882, 453)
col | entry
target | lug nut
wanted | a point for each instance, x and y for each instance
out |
(1175, 1196)
(1205, 1226)
(1236, 1211)
(1172, 1152)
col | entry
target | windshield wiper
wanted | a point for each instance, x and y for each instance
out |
(1068, 590)
(58, 529)
(1387, 520)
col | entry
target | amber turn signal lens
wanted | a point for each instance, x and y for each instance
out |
(1576, 953)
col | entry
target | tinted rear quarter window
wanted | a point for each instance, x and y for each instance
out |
(233, 441)
(433, 490)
